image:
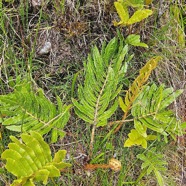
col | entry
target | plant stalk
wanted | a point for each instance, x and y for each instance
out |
(92, 139)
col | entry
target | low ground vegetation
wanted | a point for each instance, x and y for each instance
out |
(92, 92)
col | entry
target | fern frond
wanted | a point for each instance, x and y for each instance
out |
(26, 110)
(136, 87)
(103, 73)
(154, 162)
(138, 83)
(101, 86)
(30, 160)
(150, 110)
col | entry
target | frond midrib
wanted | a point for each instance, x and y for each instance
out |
(99, 98)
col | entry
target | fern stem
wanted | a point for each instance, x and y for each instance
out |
(128, 120)
(126, 115)
(96, 166)
(121, 123)
(56, 117)
(92, 139)
(96, 114)
(34, 117)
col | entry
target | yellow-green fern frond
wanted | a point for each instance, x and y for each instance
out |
(30, 160)
(138, 83)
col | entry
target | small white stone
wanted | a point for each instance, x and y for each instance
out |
(36, 3)
(46, 48)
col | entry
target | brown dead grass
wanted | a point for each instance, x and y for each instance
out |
(72, 34)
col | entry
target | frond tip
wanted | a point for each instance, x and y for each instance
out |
(30, 160)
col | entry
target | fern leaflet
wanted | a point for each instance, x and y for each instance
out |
(135, 138)
(30, 160)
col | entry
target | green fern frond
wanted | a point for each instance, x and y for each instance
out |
(101, 86)
(103, 73)
(150, 110)
(134, 40)
(26, 110)
(30, 160)
(154, 162)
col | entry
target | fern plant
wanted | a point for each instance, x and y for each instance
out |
(153, 162)
(103, 73)
(30, 164)
(134, 40)
(150, 110)
(148, 107)
(25, 110)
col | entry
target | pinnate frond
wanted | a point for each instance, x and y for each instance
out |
(103, 72)
(137, 85)
(154, 162)
(30, 160)
(26, 110)
(150, 110)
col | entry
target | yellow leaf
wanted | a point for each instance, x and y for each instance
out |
(122, 105)
(122, 12)
(149, 66)
(138, 83)
(144, 143)
(135, 138)
(134, 3)
(133, 135)
(128, 143)
(139, 15)
(151, 137)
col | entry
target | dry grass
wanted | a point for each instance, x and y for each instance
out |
(71, 31)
